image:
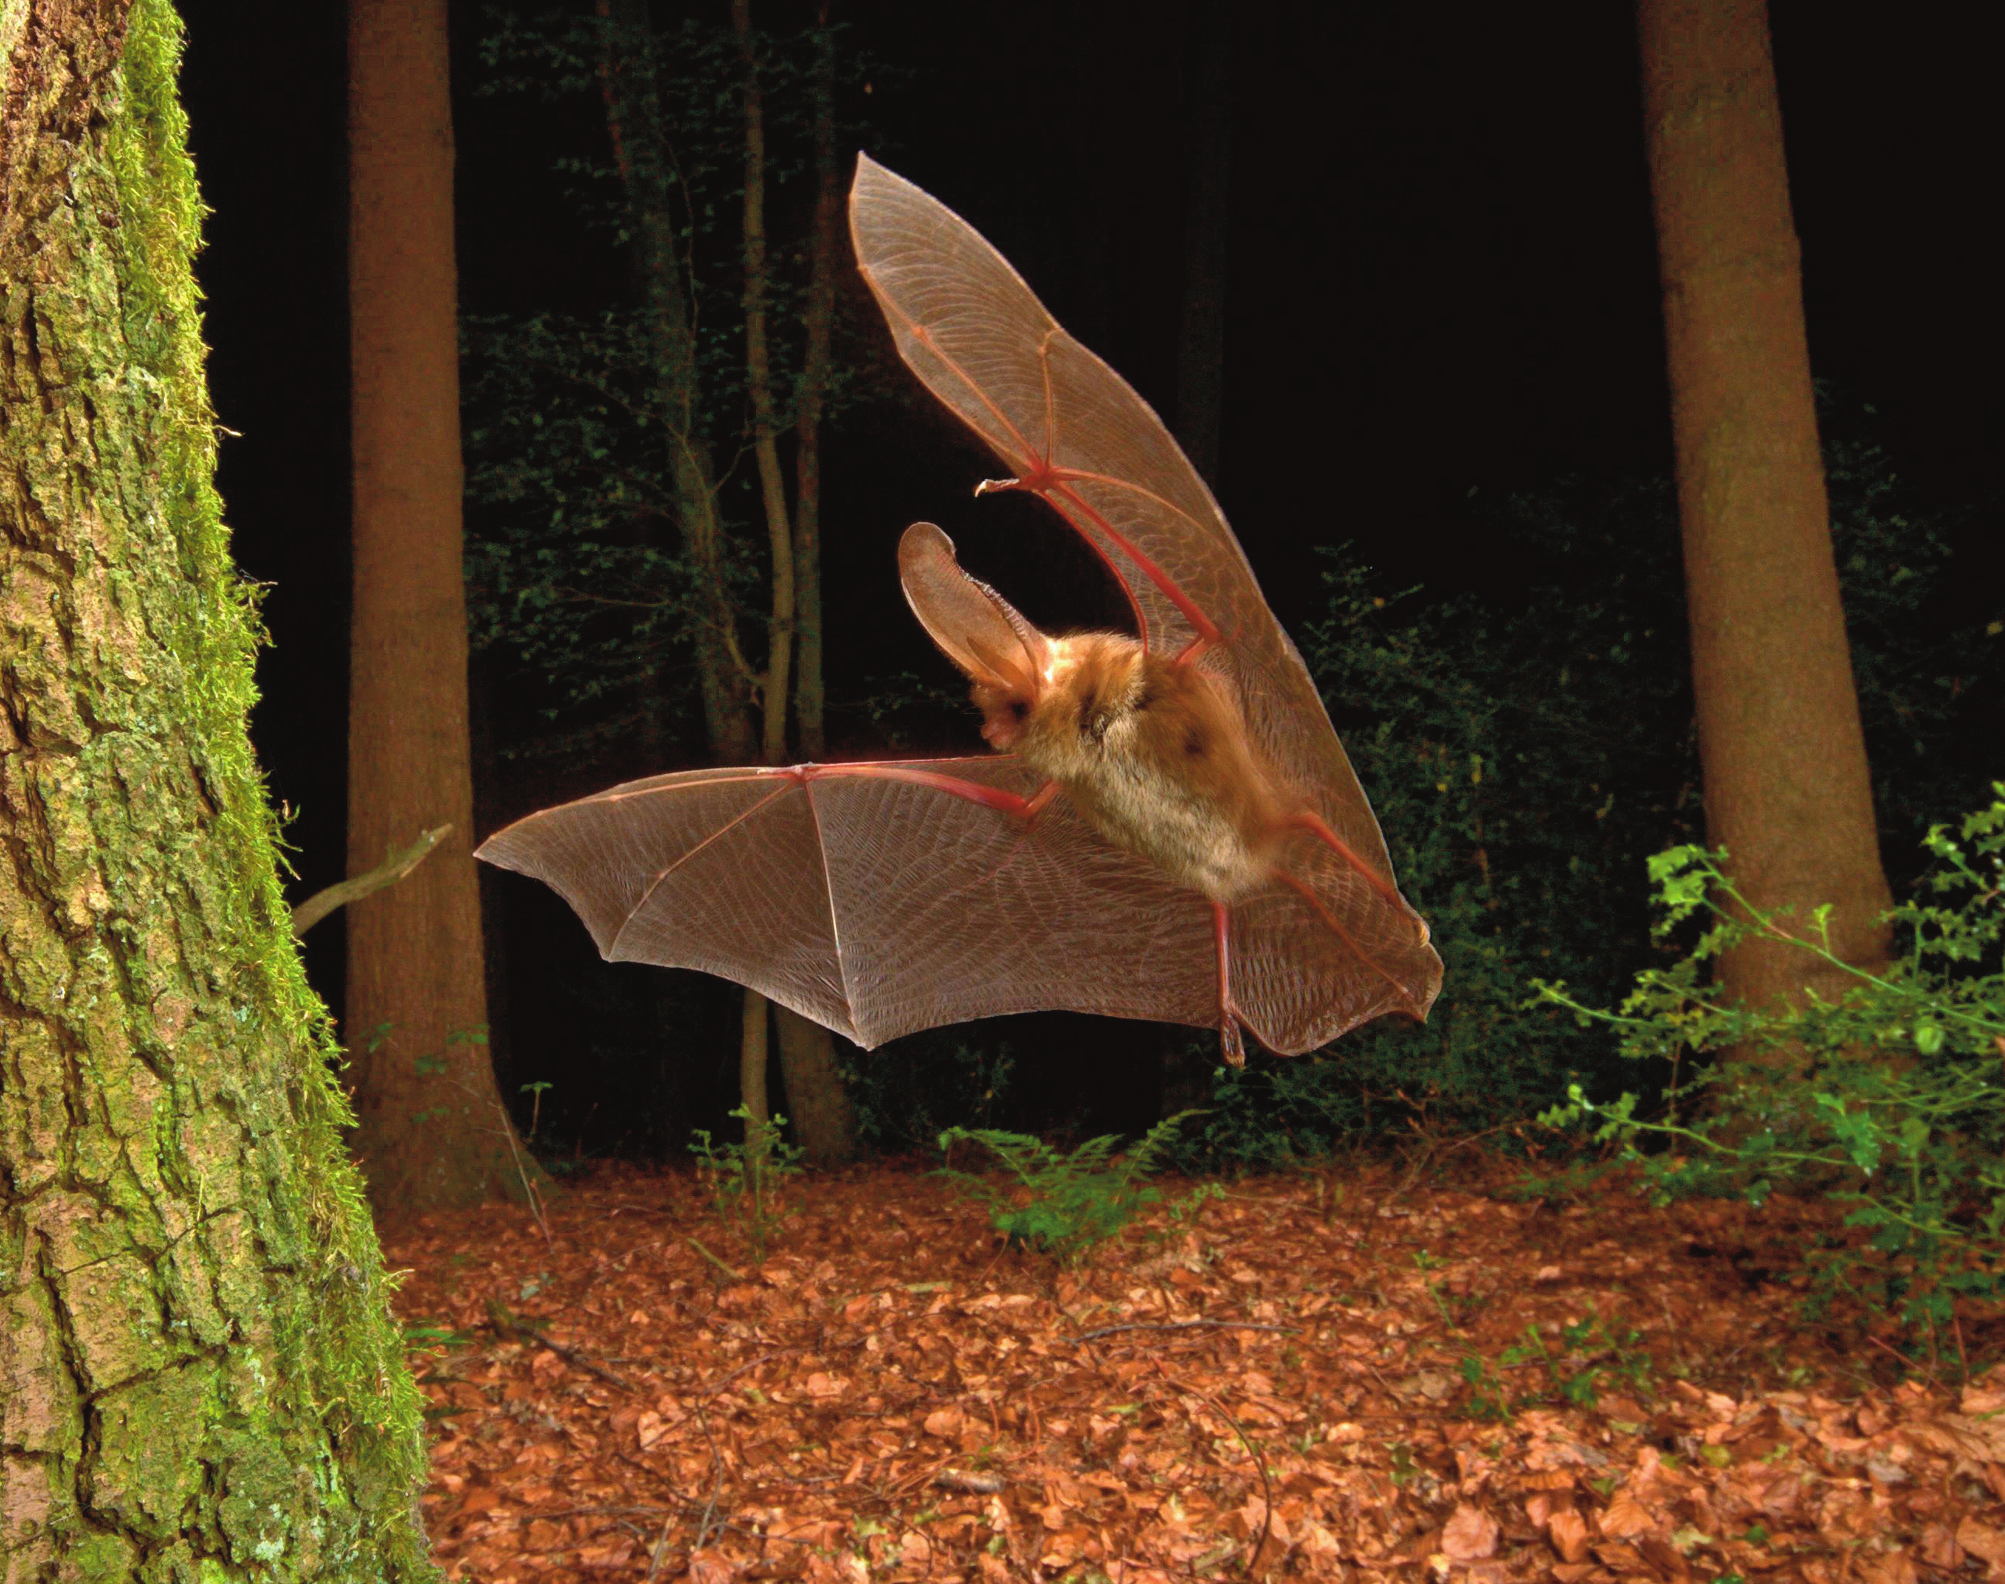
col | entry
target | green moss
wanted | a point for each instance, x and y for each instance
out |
(172, 1127)
(336, 1344)
(152, 1433)
(103, 1559)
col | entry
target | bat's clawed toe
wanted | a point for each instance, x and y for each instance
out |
(1229, 1038)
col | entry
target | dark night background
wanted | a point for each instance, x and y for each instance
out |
(1442, 277)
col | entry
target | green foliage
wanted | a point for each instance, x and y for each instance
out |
(1902, 1115)
(1925, 636)
(1526, 743)
(747, 1180)
(904, 1096)
(577, 578)
(1521, 769)
(1589, 1356)
(1074, 1201)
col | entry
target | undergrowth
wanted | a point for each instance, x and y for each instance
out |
(1065, 1205)
(1887, 1100)
(747, 1181)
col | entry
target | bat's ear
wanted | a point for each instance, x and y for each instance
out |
(974, 626)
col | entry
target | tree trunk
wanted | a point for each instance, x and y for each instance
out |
(817, 359)
(1201, 341)
(633, 125)
(199, 1376)
(432, 1130)
(817, 1103)
(1786, 785)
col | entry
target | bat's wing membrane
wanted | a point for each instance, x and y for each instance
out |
(1318, 953)
(1075, 432)
(874, 905)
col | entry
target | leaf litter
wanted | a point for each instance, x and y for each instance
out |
(1327, 1376)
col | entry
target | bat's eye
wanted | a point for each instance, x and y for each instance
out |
(1194, 744)
(1019, 709)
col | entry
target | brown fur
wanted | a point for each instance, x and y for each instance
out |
(1152, 753)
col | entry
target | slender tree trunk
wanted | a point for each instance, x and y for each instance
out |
(775, 686)
(431, 1126)
(197, 1363)
(1786, 784)
(1201, 343)
(817, 1102)
(633, 124)
(817, 359)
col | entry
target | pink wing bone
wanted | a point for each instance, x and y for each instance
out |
(931, 273)
(928, 913)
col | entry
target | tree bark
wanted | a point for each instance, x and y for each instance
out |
(775, 685)
(199, 1376)
(1787, 790)
(431, 1127)
(817, 361)
(817, 1103)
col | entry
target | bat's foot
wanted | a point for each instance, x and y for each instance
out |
(1228, 1037)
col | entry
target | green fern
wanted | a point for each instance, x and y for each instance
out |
(1076, 1201)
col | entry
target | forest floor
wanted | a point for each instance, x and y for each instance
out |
(1318, 1377)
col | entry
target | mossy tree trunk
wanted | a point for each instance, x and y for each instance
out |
(199, 1377)
(432, 1129)
(1786, 783)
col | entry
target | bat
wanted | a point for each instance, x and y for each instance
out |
(1165, 827)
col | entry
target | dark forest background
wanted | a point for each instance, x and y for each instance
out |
(1444, 391)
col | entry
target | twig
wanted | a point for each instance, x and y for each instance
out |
(726, 1269)
(387, 873)
(1908, 1365)
(704, 1394)
(1259, 1462)
(660, 1548)
(1184, 1325)
(1434, 1147)
(716, 1485)
(528, 1186)
(508, 1325)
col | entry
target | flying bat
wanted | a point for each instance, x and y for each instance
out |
(1166, 825)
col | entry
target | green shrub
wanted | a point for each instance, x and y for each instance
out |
(1901, 1117)
(1074, 1201)
(747, 1180)
(1526, 742)
(1589, 1356)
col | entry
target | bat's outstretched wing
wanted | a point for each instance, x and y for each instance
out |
(877, 899)
(1074, 432)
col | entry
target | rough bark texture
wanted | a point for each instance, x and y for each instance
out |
(1786, 783)
(432, 1130)
(199, 1378)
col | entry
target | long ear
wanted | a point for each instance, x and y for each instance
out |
(976, 628)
